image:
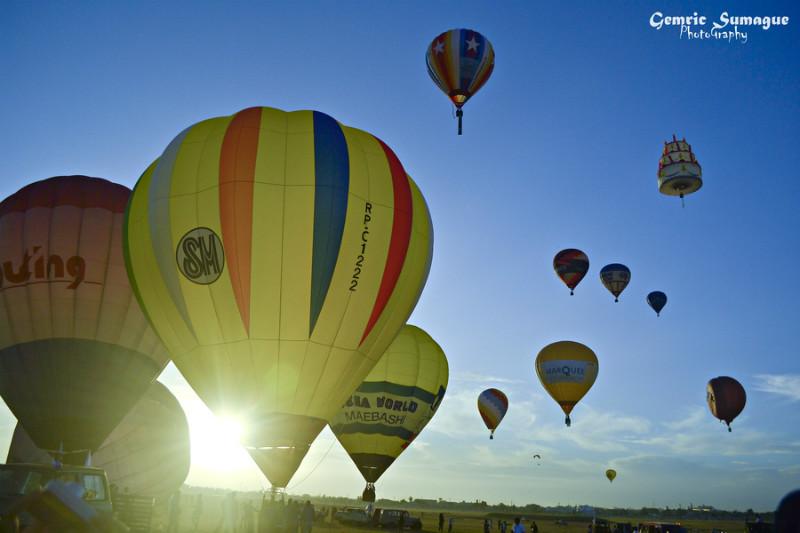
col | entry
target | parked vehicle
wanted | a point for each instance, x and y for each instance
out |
(385, 518)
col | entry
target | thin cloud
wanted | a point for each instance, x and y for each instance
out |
(473, 377)
(786, 385)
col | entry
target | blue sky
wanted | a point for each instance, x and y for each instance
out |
(560, 149)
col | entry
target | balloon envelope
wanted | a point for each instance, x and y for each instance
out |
(76, 351)
(787, 515)
(657, 300)
(459, 62)
(567, 371)
(611, 474)
(277, 255)
(726, 398)
(492, 406)
(146, 455)
(394, 403)
(679, 173)
(571, 266)
(615, 278)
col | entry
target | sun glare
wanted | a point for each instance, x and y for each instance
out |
(216, 442)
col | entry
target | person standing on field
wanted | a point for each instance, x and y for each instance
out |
(441, 522)
(518, 526)
(307, 517)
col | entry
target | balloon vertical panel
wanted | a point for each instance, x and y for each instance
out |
(284, 322)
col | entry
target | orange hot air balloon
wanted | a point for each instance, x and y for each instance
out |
(726, 398)
(76, 351)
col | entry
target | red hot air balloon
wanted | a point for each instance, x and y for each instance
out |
(76, 351)
(571, 266)
(726, 398)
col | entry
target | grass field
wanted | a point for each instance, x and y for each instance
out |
(210, 520)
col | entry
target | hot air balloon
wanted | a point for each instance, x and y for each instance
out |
(571, 266)
(679, 173)
(277, 255)
(615, 278)
(492, 405)
(787, 514)
(567, 371)
(657, 300)
(146, 455)
(611, 474)
(393, 404)
(76, 352)
(459, 62)
(726, 398)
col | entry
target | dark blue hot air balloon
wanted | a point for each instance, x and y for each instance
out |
(657, 301)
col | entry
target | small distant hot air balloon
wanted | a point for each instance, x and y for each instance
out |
(726, 398)
(657, 301)
(571, 266)
(679, 173)
(393, 404)
(567, 371)
(492, 405)
(459, 62)
(611, 474)
(615, 278)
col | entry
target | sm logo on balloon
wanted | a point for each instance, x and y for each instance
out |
(36, 267)
(200, 256)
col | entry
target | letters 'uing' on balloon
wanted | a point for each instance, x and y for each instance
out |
(76, 351)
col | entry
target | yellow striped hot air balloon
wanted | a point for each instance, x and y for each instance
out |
(567, 371)
(277, 255)
(396, 400)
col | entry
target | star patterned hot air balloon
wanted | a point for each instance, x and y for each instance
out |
(460, 62)
(277, 255)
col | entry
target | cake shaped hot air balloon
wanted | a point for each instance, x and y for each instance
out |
(567, 371)
(492, 406)
(726, 398)
(393, 404)
(277, 255)
(459, 62)
(146, 455)
(76, 351)
(679, 173)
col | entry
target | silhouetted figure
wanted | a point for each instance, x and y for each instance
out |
(518, 526)
(174, 512)
(307, 517)
(441, 522)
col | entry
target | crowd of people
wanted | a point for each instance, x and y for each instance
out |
(242, 515)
